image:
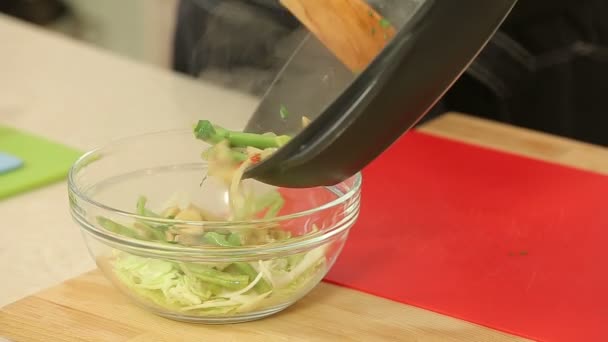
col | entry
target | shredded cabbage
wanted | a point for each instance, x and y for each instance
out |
(207, 290)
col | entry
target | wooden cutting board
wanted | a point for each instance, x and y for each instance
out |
(88, 308)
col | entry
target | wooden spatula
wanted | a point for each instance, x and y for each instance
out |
(339, 39)
(352, 30)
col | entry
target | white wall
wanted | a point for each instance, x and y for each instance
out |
(140, 29)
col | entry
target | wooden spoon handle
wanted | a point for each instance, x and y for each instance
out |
(352, 30)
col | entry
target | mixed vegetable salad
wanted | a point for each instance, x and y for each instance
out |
(228, 288)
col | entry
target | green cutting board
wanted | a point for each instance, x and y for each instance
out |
(44, 162)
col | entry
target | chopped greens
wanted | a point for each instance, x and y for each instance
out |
(283, 112)
(385, 23)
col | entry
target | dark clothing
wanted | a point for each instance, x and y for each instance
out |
(253, 27)
(39, 12)
(546, 69)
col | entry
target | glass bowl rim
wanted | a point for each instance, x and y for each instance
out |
(85, 159)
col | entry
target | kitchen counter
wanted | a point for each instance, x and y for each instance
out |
(81, 96)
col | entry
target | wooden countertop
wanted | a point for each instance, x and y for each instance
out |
(87, 308)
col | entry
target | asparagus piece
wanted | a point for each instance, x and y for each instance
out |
(262, 286)
(139, 231)
(117, 227)
(241, 268)
(142, 210)
(274, 209)
(234, 239)
(273, 203)
(213, 276)
(156, 231)
(213, 134)
(266, 200)
(218, 239)
(205, 131)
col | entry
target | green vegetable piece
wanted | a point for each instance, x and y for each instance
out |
(385, 23)
(238, 156)
(148, 232)
(141, 205)
(116, 228)
(235, 239)
(261, 286)
(272, 201)
(274, 209)
(142, 210)
(156, 232)
(295, 259)
(218, 239)
(283, 112)
(267, 200)
(215, 289)
(240, 139)
(373, 31)
(219, 278)
(282, 140)
(207, 132)
(196, 287)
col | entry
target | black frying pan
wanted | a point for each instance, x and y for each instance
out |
(388, 98)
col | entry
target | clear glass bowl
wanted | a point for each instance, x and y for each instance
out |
(179, 277)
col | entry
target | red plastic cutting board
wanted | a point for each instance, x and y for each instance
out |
(504, 241)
